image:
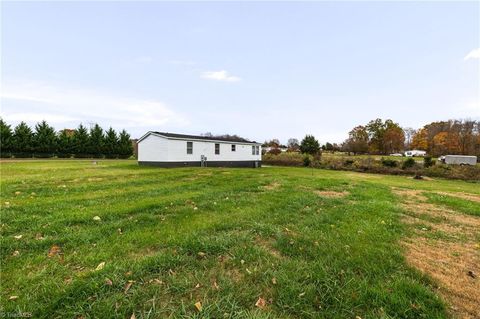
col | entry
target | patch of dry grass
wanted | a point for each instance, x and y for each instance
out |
(454, 265)
(472, 197)
(331, 194)
(272, 186)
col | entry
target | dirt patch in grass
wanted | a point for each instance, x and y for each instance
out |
(466, 222)
(267, 245)
(471, 197)
(271, 186)
(410, 195)
(205, 174)
(450, 263)
(331, 194)
(424, 178)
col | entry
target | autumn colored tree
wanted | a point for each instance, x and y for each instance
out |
(449, 137)
(393, 138)
(384, 137)
(274, 143)
(375, 130)
(357, 141)
(419, 140)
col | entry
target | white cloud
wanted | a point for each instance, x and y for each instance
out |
(474, 54)
(220, 76)
(63, 105)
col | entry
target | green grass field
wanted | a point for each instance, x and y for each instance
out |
(273, 242)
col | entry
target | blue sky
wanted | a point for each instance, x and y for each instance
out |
(258, 69)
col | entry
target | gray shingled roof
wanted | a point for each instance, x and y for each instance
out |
(209, 138)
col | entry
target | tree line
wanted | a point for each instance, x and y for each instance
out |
(376, 137)
(437, 138)
(383, 137)
(308, 145)
(43, 141)
(449, 137)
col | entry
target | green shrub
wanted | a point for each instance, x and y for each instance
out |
(408, 163)
(348, 162)
(307, 161)
(428, 162)
(389, 162)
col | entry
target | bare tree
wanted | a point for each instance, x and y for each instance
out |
(293, 145)
(409, 133)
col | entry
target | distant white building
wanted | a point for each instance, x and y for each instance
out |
(414, 153)
(269, 148)
(178, 150)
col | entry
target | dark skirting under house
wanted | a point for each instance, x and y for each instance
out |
(251, 164)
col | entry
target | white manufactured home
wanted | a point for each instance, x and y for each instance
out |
(414, 153)
(178, 150)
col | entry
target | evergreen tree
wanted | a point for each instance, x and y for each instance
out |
(22, 140)
(110, 145)
(65, 144)
(80, 140)
(310, 145)
(125, 147)
(44, 140)
(6, 139)
(96, 141)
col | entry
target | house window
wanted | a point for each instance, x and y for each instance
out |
(257, 150)
(253, 149)
(189, 147)
(233, 148)
(217, 149)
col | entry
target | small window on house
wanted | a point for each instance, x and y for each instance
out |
(253, 149)
(233, 148)
(217, 149)
(257, 150)
(189, 147)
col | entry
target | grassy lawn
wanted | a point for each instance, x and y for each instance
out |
(110, 240)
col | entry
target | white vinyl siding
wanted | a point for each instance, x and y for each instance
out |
(155, 148)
